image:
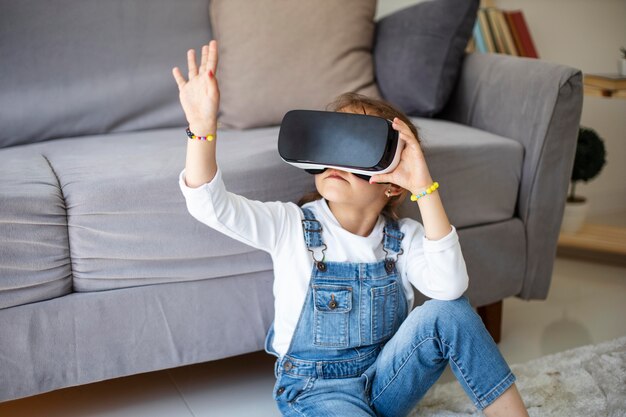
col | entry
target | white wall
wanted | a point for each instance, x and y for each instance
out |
(587, 35)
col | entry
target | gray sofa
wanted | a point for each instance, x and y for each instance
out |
(103, 272)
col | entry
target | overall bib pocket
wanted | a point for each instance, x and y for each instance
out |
(384, 311)
(333, 304)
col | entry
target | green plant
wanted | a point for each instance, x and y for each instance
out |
(589, 159)
(623, 51)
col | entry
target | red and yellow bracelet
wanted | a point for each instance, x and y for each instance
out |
(428, 190)
(193, 136)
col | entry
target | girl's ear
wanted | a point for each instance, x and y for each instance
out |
(395, 190)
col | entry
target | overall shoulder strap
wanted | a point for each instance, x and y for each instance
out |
(312, 229)
(392, 236)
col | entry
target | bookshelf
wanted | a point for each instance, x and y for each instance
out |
(605, 243)
(595, 242)
(502, 32)
(605, 85)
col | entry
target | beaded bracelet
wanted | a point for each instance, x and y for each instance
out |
(192, 136)
(429, 190)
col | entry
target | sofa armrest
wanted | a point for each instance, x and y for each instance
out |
(538, 104)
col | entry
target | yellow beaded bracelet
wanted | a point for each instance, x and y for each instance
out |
(429, 190)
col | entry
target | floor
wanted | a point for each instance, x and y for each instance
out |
(586, 304)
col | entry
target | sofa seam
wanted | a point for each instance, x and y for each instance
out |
(67, 220)
(542, 152)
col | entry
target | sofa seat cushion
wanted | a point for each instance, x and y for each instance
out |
(127, 220)
(479, 172)
(128, 223)
(34, 254)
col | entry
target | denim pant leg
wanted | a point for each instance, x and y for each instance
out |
(313, 397)
(433, 335)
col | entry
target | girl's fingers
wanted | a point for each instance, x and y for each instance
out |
(178, 76)
(191, 63)
(408, 139)
(379, 178)
(400, 126)
(212, 57)
(204, 59)
(405, 133)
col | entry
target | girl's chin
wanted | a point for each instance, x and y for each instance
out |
(334, 195)
(346, 198)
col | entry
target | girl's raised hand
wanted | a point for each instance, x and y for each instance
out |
(200, 95)
(412, 172)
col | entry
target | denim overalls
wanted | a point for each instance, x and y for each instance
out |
(354, 352)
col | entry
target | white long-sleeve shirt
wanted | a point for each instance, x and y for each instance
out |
(435, 267)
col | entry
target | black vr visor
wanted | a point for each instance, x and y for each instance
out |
(316, 140)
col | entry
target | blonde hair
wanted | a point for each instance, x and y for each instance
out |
(376, 107)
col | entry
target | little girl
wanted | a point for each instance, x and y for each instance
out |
(347, 340)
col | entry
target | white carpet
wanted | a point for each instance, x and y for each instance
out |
(589, 381)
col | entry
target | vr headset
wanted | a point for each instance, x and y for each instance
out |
(358, 143)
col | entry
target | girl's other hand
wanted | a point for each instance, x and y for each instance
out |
(412, 172)
(200, 95)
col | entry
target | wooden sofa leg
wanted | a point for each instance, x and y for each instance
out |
(492, 318)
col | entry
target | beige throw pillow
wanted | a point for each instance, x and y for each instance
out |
(279, 55)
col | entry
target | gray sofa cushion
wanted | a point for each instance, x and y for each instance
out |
(88, 337)
(418, 53)
(479, 172)
(128, 222)
(34, 249)
(72, 68)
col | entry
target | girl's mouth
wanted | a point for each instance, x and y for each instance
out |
(336, 176)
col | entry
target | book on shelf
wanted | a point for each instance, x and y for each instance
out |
(479, 41)
(485, 30)
(521, 34)
(504, 39)
(509, 43)
(504, 32)
(515, 33)
(606, 81)
(496, 32)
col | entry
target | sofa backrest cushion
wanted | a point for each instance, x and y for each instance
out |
(418, 52)
(72, 68)
(279, 55)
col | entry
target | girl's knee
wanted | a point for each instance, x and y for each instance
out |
(460, 304)
(440, 320)
(449, 311)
